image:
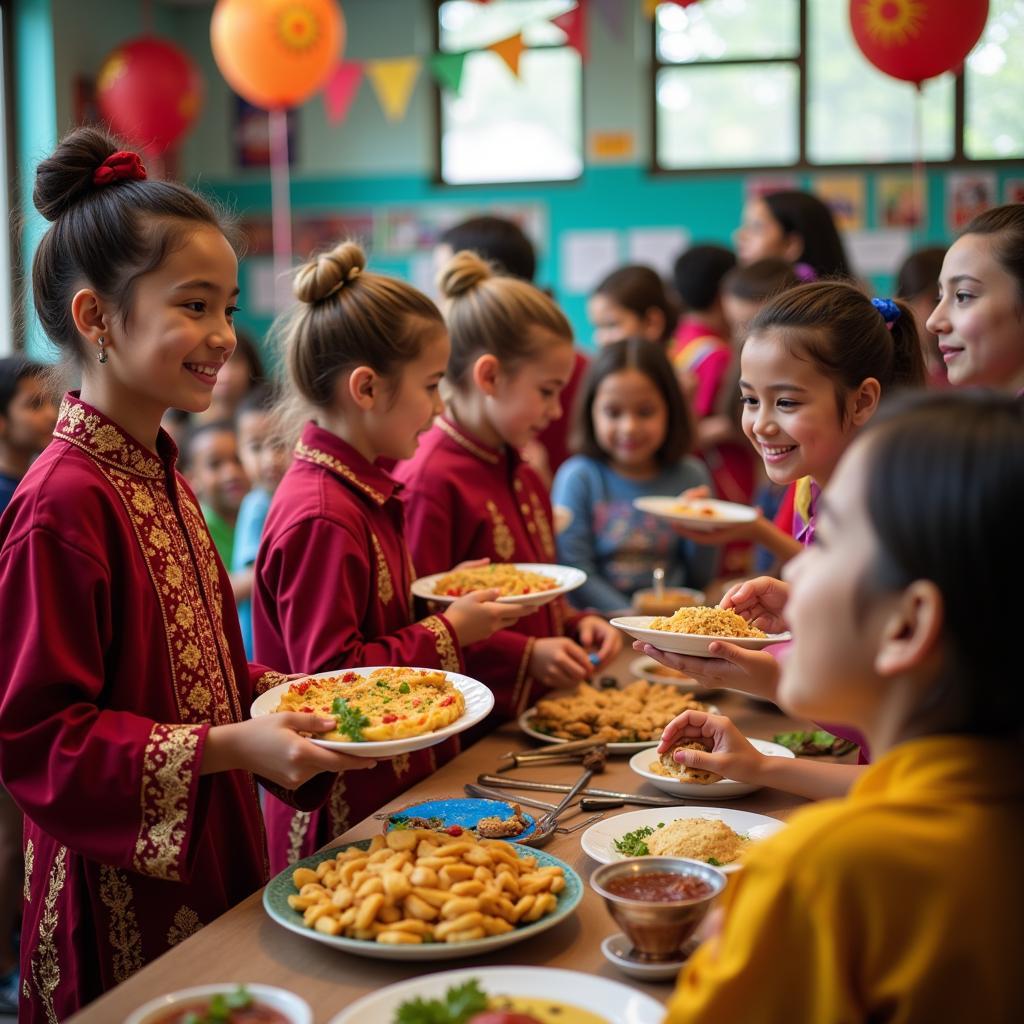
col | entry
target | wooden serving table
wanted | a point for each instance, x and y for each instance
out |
(245, 945)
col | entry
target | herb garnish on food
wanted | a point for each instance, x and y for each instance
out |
(221, 1006)
(632, 843)
(460, 1003)
(816, 741)
(351, 720)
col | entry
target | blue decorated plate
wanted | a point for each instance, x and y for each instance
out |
(465, 812)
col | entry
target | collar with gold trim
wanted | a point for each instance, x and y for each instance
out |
(324, 449)
(484, 452)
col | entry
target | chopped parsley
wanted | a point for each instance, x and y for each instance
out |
(404, 688)
(714, 862)
(351, 720)
(632, 843)
(221, 1007)
(460, 1003)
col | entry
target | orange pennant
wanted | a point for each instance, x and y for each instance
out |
(510, 50)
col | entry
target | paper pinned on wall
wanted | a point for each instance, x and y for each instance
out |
(260, 287)
(656, 247)
(878, 252)
(586, 258)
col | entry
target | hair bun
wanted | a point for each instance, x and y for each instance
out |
(65, 177)
(327, 273)
(463, 272)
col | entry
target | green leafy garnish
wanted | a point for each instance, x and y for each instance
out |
(816, 741)
(351, 720)
(632, 843)
(404, 688)
(219, 1009)
(460, 1003)
(714, 862)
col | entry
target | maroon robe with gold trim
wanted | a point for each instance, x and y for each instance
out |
(332, 591)
(121, 648)
(465, 499)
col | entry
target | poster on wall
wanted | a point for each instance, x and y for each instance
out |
(967, 195)
(766, 184)
(843, 194)
(899, 202)
(1013, 190)
(251, 137)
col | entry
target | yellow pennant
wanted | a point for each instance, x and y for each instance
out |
(393, 82)
(509, 50)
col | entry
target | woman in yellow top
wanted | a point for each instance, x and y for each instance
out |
(903, 902)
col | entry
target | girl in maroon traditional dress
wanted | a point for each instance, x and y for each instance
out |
(124, 687)
(470, 494)
(365, 354)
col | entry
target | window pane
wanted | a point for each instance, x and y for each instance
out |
(727, 116)
(856, 114)
(728, 30)
(470, 26)
(994, 86)
(501, 129)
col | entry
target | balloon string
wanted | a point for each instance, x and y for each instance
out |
(918, 178)
(280, 202)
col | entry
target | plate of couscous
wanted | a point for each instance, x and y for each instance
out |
(529, 583)
(692, 630)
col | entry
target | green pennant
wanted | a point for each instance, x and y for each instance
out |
(447, 69)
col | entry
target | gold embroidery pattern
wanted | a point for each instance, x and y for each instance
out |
(400, 766)
(443, 643)
(338, 808)
(45, 965)
(186, 923)
(125, 938)
(540, 517)
(269, 680)
(385, 588)
(30, 860)
(321, 458)
(521, 687)
(471, 446)
(26, 992)
(297, 833)
(104, 441)
(167, 767)
(504, 545)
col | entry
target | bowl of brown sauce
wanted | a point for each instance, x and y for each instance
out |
(658, 901)
(227, 1003)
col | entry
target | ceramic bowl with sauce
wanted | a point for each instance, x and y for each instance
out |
(658, 901)
(270, 1005)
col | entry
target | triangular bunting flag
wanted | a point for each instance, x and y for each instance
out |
(509, 50)
(447, 69)
(574, 24)
(393, 81)
(341, 90)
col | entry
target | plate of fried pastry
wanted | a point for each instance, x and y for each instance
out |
(692, 630)
(529, 583)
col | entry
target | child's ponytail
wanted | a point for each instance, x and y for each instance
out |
(908, 369)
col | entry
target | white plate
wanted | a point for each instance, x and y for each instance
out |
(726, 513)
(723, 789)
(563, 518)
(479, 701)
(644, 668)
(567, 577)
(598, 841)
(295, 1010)
(617, 1003)
(638, 627)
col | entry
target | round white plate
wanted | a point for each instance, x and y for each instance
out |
(616, 1002)
(723, 789)
(563, 518)
(479, 701)
(638, 627)
(598, 841)
(567, 577)
(725, 513)
(617, 949)
(294, 1009)
(646, 668)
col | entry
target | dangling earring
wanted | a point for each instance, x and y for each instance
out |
(103, 351)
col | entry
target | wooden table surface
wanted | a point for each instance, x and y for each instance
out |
(245, 945)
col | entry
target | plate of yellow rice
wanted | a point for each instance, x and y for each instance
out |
(529, 583)
(692, 630)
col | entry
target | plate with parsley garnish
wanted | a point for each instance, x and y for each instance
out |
(383, 711)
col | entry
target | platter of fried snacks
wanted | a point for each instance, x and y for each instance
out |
(629, 719)
(383, 711)
(692, 630)
(704, 514)
(416, 894)
(529, 583)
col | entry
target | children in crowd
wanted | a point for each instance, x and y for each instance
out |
(980, 316)
(632, 302)
(747, 287)
(634, 435)
(794, 226)
(124, 688)
(364, 354)
(900, 902)
(215, 471)
(917, 284)
(264, 458)
(469, 493)
(27, 417)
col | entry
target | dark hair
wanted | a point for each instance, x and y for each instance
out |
(807, 216)
(247, 349)
(920, 272)
(648, 358)
(262, 398)
(835, 327)
(698, 274)
(945, 486)
(760, 280)
(13, 370)
(497, 241)
(1007, 223)
(107, 236)
(639, 289)
(187, 454)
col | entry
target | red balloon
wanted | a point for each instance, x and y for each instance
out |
(150, 92)
(917, 39)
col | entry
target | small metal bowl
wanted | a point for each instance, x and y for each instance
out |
(659, 930)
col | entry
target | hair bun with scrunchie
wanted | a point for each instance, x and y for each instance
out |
(328, 273)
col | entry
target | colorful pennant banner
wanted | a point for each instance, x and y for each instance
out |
(393, 81)
(341, 89)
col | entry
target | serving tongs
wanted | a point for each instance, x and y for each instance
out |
(593, 763)
(555, 753)
(505, 782)
(588, 803)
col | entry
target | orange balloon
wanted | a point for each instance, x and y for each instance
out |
(277, 53)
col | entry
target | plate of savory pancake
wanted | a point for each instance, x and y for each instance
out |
(529, 583)
(383, 711)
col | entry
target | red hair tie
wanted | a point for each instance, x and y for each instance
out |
(120, 166)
